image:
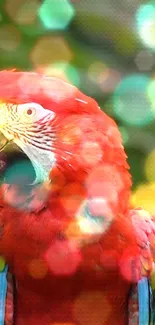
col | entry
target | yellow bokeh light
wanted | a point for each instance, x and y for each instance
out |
(37, 269)
(50, 49)
(147, 33)
(86, 226)
(10, 38)
(96, 70)
(91, 308)
(73, 230)
(22, 11)
(149, 167)
(63, 70)
(144, 196)
(109, 80)
(53, 71)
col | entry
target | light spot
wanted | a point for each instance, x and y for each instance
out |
(124, 135)
(58, 90)
(70, 134)
(91, 308)
(145, 21)
(144, 196)
(73, 230)
(98, 206)
(62, 70)
(91, 153)
(90, 226)
(71, 197)
(50, 49)
(94, 216)
(103, 176)
(151, 93)
(10, 38)
(22, 11)
(130, 100)
(149, 166)
(33, 85)
(37, 269)
(96, 70)
(109, 80)
(144, 60)
(56, 14)
(63, 257)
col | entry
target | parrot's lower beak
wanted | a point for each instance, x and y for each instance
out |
(15, 166)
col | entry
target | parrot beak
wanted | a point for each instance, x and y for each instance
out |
(3, 141)
(15, 166)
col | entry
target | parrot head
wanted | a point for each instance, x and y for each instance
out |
(41, 115)
(57, 149)
(34, 120)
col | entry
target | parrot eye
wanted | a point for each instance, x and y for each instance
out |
(26, 111)
(32, 112)
(29, 111)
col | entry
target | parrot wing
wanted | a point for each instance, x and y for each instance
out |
(139, 263)
(141, 298)
(144, 227)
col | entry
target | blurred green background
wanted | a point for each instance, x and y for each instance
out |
(104, 47)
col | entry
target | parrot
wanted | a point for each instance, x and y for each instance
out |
(74, 251)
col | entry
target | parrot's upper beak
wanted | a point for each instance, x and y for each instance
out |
(3, 141)
(15, 166)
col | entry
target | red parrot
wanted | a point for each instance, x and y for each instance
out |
(67, 232)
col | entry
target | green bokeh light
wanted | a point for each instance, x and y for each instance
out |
(145, 21)
(145, 13)
(124, 134)
(151, 93)
(130, 101)
(56, 14)
(73, 75)
(64, 69)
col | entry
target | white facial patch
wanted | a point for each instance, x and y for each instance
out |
(32, 112)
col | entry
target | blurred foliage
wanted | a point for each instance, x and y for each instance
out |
(106, 48)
